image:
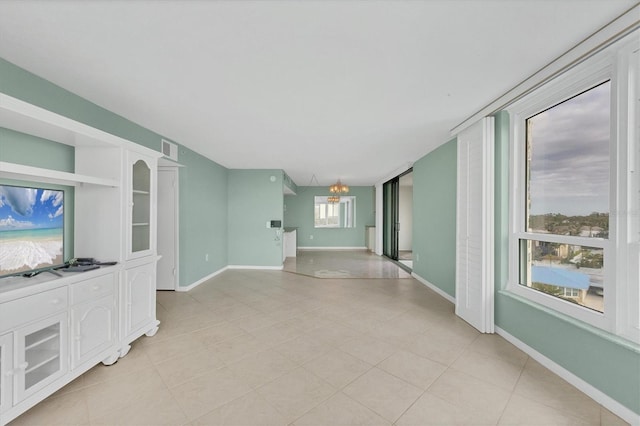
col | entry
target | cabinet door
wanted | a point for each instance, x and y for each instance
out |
(41, 355)
(141, 213)
(93, 325)
(140, 303)
(6, 371)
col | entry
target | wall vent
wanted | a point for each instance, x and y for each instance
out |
(170, 150)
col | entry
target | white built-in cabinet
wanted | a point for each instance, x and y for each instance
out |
(53, 329)
(6, 371)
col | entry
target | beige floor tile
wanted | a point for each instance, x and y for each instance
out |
(541, 385)
(121, 391)
(369, 349)
(414, 369)
(525, 412)
(490, 369)
(199, 396)
(471, 394)
(181, 369)
(159, 351)
(250, 409)
(435, 348)
(494, 345)
(262, 367)
(340, 410)
(217, 333)
(430, 410)
(67, 409)
(302, 349)
(158, 409)
(254, 322)
(277, 333)
(236, 348)
(383, 393)
(607, 418)
(296, 392)
(136, 360)
(333, 335)
(338, 368)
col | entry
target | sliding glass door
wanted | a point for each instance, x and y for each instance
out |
(390, 228)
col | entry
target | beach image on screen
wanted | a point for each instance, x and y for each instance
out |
(31, 229)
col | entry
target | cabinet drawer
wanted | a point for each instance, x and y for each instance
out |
(27, 309)
(92, 289)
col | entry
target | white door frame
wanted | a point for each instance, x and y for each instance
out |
(176, 228)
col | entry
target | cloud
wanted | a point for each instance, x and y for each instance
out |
(569, 169)
(57, 213)
(21, 200)
(56, 195)
(11, 223)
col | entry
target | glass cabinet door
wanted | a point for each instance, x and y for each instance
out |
(42, 354)
(141, 207)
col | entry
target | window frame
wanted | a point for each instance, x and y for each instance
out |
(612, 64)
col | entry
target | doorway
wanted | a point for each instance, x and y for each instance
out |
(397, 232)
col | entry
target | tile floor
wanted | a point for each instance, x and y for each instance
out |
(276, 348)
(343, 264)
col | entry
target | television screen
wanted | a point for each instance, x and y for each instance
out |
(31, 229)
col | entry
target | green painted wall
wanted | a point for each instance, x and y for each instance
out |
(203, 217)
(201, 199)
(600, 359)
(299, 214)
(434, 217)
(254, 199)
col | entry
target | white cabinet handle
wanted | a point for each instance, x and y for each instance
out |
(23, 366)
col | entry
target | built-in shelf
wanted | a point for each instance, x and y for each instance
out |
(42, 358)
(140, 224)
(37, 174)
(140, 192)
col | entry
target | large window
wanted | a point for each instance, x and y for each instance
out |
(339, 214)
(574, 190)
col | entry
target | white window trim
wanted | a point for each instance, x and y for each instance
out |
(621, 315)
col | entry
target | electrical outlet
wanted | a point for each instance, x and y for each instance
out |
(417, 257)
(311, 237)
(206, 257)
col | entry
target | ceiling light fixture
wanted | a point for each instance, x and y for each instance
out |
(337, 189)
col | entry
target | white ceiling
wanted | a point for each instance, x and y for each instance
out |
(336, 89)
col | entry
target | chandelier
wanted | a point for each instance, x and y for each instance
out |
(337, 189)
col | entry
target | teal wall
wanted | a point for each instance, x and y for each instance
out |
(299, 214)
(254, 199)
(599, 358)
(434, 217)
(201, 199)
(203, 217)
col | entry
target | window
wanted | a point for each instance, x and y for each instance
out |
(574, 184)
(327, 215)
(334, 215)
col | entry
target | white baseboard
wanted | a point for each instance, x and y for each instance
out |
(595, 394)
(201, 280)
(434, 288)
(270, 268)
(332, 248)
